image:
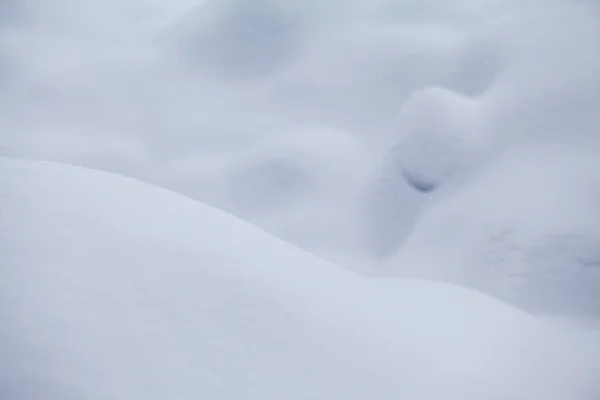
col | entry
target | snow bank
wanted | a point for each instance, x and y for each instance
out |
(510, 141)
(116, 289)
(525, 230)
(527, 77)
(177, 93)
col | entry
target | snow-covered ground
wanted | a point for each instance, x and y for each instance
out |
(526, 230)
(113, 288)
(449, 140)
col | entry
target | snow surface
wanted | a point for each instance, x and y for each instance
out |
(196, 95)
(453, 140)
(113, 288)
(525, 230)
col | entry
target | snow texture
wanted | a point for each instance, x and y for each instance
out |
(116, 289)
(448, 140)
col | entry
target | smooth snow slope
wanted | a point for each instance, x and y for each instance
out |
(525, 230)
(114, 289)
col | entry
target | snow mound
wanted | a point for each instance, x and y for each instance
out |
(439, 134)
(112, 288)
(306, 178)
(525, 230)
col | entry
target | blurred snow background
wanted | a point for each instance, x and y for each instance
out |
(458, 137)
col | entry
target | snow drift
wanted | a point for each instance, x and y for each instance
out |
(524, 229)
(112, 288)
(181, 93)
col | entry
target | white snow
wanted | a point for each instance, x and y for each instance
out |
(450, 140)
(181, 93)
(440, 133)
(112, 288)
(525, 230)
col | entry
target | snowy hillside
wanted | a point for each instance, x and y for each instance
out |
(117, 289)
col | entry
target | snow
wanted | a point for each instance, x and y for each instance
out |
(506, 153)
(524, 230)
(113, 288)
(454, 141)
(181, 94)
(439, 134)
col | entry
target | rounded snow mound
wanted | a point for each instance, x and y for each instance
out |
(112, 288)
(525, 230)
(440, 133)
